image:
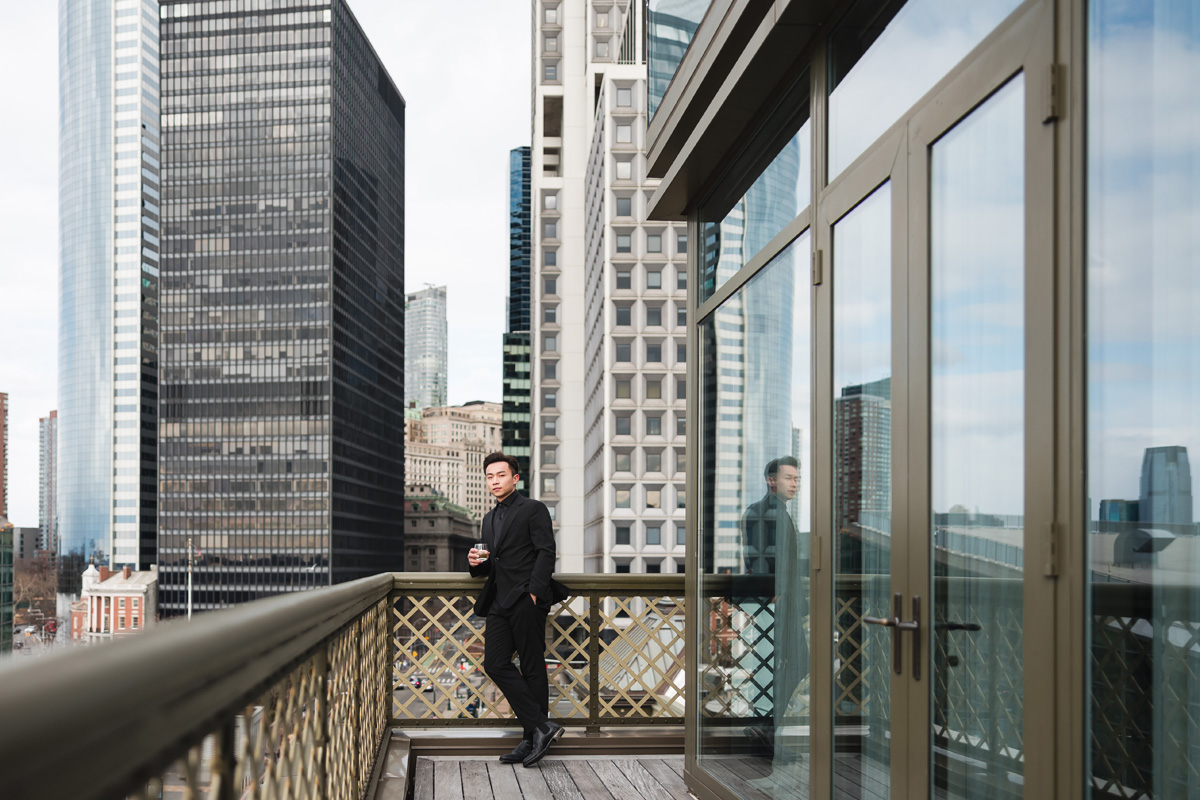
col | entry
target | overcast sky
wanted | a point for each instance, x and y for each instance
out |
(467, 91)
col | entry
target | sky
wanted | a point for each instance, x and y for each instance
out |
(467, 106)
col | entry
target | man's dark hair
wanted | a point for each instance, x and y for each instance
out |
(497, 457)
(784, 461)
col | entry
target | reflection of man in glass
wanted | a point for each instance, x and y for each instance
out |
(776, 564)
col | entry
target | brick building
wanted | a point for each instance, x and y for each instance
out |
(114, 604)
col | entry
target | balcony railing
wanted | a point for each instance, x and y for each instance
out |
(295, 696)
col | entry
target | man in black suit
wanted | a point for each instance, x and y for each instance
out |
(516, 598)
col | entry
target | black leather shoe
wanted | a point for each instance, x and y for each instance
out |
(518, 754)
(542, 739)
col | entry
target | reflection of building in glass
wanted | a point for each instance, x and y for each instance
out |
(1118, 510)
(283, 310)
(6, 585)
(109, 233)
(426, 354)
(3, 454)
(515, 434)
(862, 452)
(1166, 486)
(672, 25)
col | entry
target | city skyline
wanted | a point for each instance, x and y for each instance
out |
(448, 106)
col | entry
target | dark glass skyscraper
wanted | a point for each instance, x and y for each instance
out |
(283, 302)
(514, 430)
(1166, 486)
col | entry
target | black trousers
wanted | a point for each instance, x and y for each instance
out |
(521, 630)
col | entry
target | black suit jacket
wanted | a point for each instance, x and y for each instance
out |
(521, 561)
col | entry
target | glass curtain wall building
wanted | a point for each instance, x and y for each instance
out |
(516, 436)
(426, 348)
(942, 376)
(283, 303)
(109, 231)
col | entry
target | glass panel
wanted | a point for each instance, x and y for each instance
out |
(779, 194)
(884, 56)
(862, 507)
(1143, 274)
(754, 532)
(673, 23)
(977, 243)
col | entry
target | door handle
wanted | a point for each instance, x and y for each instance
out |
(899, 626)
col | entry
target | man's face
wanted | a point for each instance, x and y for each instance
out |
(785, 483)
(501, 480)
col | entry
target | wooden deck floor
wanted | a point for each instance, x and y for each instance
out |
(556, 778)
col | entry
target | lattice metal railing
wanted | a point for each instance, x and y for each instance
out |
(615, 653)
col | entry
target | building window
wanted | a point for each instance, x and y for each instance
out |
(549, 370)
(654, 280)
(550, 71)
(624, 279)
(654, 243)
(550, 228)
(654, 424)
(681, 389)
(602, 19)
(551, 15)
(654, 316)
(622, 536)
(622, 425)
(549, 455)
(551, 44)
(681, 316)
(681, 244)
(550, 314)
(680, 534)
(121, 622)
(549, 400)
(653, 534)
(550, 201)
(623, 315)
(654, 498)
(622, 462)
(622, 498)
(653, 353)
(654, 461)
(622, 569)
(550, 427)
(623, 390)
(624, 243)
(624, 170)
(680, 353)
(135, 601)
(551, 286)
(550, 343)
(549, 484)
(653, 389)
(680, 502)
(681, 281)
(133, 622)
(624, 97)
(550, 258)
(552, 510)
(120, 602)
(602, 48)
(624, 354)
(680, 425)
(624, 134)
(624, 207)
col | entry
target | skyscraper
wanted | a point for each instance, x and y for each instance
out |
(1166, 486)
(283, 292)
(47, 487)
(109, 230)
(3, 454)
(609, 328)
(426, 354)
(515, 431)
(862, 450)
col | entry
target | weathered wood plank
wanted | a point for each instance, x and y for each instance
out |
(558, 779)
(423, 780)
(614, 779)
(675, 763)
(643, 781)
(668, 778)
(736, 781)
(588, 782)
(504, 782)
(476, 785)
(532, 783)
(447, 782)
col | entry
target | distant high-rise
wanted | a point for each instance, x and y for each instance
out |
(109, 233)
(610, 310)
(1166, 486)
(3, 454)
(47, 467)
(862, 448)
(516, 436)
(426, 353)
(283, 302)
(7, 608)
